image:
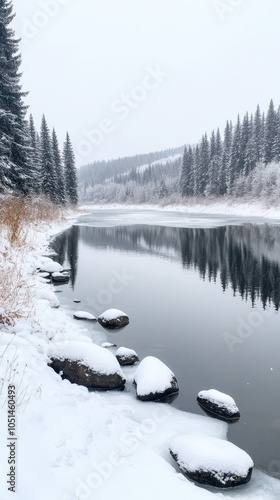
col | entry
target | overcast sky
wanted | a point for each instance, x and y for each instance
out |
(134, 76)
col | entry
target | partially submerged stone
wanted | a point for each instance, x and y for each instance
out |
(216, 404)
(155, 381)
(212, 461)
(83, 315)
(87, 364)
(126, 356)
(60, 277)
(113, 319)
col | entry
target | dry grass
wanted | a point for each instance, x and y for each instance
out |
(18, 216)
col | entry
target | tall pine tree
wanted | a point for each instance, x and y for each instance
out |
(49, 178)
(60, 181)
(15, 152)
(70, 172)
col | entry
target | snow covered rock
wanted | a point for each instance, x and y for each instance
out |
(49, 266)
(108, 344)
(46, 293)
(212, 461)
(155, 381)
(77, 301)
(218, 405)
(87, 364)
(126, 356)
(84, 315)
(60, 278)
(113, 318)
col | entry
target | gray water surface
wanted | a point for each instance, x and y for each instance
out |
(202, 294)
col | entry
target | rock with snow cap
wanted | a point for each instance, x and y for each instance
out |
(87, 364)
(126, 356)
(83, 315)
(155, 381)
(108, 345)
(218, 405)
(48, 265)
(60, 277)
(113, 319)
(211, 461)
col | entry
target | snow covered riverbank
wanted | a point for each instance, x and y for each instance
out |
(206, 207)
(73, 444)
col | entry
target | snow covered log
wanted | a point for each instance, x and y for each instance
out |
(87, 364)
(126, 356)
(84, 315)
(211, 461)
(155, 381)
(113, 318)
(218, 405)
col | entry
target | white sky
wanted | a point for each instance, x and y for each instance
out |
(88, 55)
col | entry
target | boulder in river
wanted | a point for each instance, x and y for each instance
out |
(126, 356)
(60, 278)
(211, 461)
(216, 404)
(155, 381)
(83, 315)
(113, 319)
(87, 364)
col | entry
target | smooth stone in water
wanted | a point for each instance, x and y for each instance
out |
(83, 315)
(155, 381)
(126, 356)
(113, 319)
(211, 461)
(218, 405)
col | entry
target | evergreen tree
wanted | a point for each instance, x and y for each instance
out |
(70, 172)
(270, 132)
(276, 143)
(60, 182)
(15, 153)
(245, 137)
(224, 172)
(235, 162)
(49, 178)
(184, 181)
(35, 146)
(204, 162)
(258, 135)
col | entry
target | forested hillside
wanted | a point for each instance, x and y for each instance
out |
(133, 179)
(243, 161)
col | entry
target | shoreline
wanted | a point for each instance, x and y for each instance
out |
(226, 207)
(73, 443)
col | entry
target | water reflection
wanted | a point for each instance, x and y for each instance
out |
(245, 258)
(66, 248)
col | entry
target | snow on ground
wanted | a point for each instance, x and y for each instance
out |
(74, 444)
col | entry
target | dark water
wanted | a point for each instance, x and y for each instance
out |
(203, 300)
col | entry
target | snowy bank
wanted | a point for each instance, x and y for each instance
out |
(234, 207)
(73, 444)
